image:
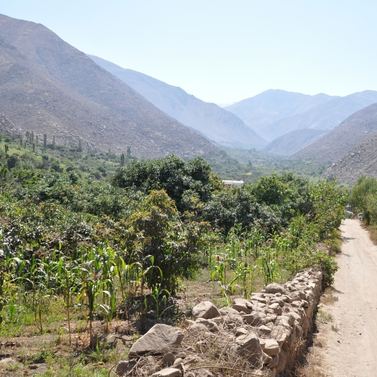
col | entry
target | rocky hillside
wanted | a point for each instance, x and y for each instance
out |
(50, 87)
(341, 141)
(293, 141)
(6, 126)
(360, 161)
(215, 123)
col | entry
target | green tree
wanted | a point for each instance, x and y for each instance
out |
(156, 237)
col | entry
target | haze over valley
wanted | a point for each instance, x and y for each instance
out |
(74, 97)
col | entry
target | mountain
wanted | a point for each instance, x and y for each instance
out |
(214, 122)
(48, 86)
(276, 115)
(263, 111)
(325, 116)
(360, 161)
(342, 139)
(293, 141)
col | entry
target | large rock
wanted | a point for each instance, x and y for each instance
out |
(242, 305)
(249, 346)
(205, 310)
(275, 288)
(158, 340)
(255, 319)
(270, 347)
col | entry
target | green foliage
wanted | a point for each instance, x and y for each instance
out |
(157, 238)
(329, 201)
(171, 174)
(76, 229)
(328, 266)
(364, 199)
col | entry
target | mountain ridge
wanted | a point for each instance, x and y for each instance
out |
(335, 145)
(296, 111)
(217, 124)
(48, 86)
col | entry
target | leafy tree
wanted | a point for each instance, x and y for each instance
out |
(156, 237)
(171, 174)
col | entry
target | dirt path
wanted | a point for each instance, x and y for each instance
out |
(348, 334)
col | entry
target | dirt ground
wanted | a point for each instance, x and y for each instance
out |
(346, 342)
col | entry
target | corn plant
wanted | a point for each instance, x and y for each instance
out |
(268, 263)
(67, 276)
(37, 275)
(91, 285)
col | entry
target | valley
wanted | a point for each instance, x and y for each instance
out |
(165, 211)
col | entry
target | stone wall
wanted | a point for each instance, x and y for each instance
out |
(262, 336)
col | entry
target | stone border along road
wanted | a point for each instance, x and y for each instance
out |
(262, 336)
(349, 339)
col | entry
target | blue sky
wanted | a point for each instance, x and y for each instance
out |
(223, 50)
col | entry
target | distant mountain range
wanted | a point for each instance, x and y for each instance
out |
(264, 110)
(285, 118)
(50, 87)
(214, 122)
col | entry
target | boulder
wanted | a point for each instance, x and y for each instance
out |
(264, 330)
(249, 346)
(270, 347)
(242, 305)
(159, 339)
(275, 288)
(281, 334)
(254, 319)
(205, 310)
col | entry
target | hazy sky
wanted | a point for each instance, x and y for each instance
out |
(223, 50)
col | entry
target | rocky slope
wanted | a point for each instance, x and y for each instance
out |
(360, 161)
(50, 87)
(341, 141)
(215, 123)
(6, 126)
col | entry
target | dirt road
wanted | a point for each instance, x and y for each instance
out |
(349, 340)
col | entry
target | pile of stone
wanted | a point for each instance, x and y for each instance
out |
(262, 336)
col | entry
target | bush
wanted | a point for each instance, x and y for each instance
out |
(328, 266)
